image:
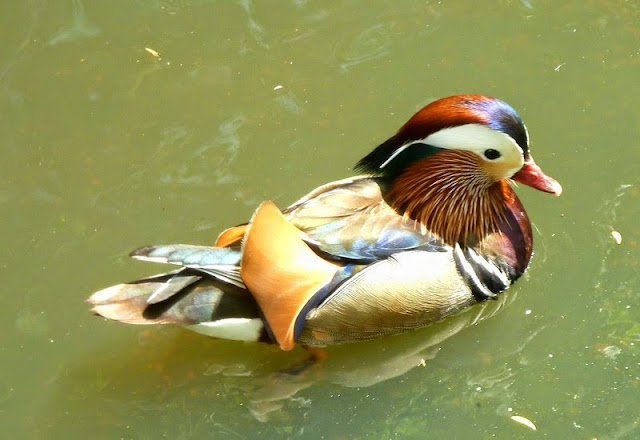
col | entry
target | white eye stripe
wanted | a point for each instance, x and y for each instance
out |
(473, 137)
(476, 138)
(398, 151)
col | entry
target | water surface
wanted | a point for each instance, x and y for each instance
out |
(107, 146)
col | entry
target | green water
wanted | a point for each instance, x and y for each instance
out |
(105, 146)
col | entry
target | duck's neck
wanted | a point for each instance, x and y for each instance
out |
(448, 194)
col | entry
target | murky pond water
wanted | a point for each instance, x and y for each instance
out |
(106, 146)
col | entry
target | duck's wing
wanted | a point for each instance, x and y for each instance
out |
(350, 220)
(221, 263)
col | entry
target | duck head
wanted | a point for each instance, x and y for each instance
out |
(449, 167)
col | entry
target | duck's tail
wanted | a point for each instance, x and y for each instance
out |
(206, 294)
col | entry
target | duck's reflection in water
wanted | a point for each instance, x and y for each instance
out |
(171, 369)
(367, 363)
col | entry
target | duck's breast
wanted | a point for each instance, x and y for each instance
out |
(405, 291)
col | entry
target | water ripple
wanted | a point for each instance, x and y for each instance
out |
(370, 44)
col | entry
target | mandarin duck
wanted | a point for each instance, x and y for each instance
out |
(431, 227)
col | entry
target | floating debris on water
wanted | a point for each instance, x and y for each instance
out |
(153, 52)
(524, 421)
(617, 237)
(611, 351)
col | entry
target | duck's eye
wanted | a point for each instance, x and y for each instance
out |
(491, 154)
